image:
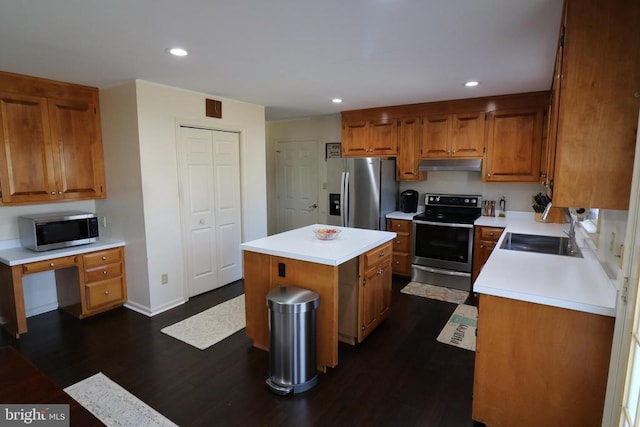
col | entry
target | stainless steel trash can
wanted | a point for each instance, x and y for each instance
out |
(292, 340)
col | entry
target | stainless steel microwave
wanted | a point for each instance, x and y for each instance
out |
(57, 230)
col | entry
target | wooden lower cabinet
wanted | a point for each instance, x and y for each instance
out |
(98, 284)
(401, 259)
(375, 294)
(484, 240)
(537, 365)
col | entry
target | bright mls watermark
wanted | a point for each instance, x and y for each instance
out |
(34, 415)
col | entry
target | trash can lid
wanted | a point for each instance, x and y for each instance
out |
(289, 299)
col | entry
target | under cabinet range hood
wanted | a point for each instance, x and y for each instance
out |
(450, 165)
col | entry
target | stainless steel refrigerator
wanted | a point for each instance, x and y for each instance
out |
(362, 191)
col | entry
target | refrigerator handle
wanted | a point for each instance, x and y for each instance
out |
(344, 199)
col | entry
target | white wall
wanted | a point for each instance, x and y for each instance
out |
(323, 129)
(319, 129)
(517, 195)
(123, 208)
(146, 185)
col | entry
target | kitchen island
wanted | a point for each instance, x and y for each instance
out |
(352, 275)
(545, 329)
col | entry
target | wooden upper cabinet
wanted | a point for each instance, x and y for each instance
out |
(514, 142)
(354, 138)
(408, 158)
(369, 138)
(599, 99)
(75, 130)
(51, 143)
(26, 158)
(383, 136)
(467, 135)
(453, 135)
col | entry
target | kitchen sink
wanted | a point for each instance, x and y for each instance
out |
(553, 245)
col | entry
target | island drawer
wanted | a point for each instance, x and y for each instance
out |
(379, 254)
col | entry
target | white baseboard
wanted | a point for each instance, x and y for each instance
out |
(147, 311)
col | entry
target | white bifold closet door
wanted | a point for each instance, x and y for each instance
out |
(211, 216)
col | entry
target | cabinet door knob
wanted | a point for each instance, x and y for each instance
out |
(398, 241)
(52, 265)
(104, 272)
(106, 292)
(491, 234)
(60, 192)
(488, 174)
(453, 152)
(104, 258)
(53, 193)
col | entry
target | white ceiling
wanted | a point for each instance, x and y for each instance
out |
(290, 56)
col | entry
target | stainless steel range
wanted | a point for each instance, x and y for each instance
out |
(443, 240)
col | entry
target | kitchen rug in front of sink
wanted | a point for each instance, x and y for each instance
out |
(460, 330)
(435, 292)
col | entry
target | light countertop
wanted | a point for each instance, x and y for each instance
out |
(302, 244)
(405, 216)
(556, 280)
(20, 255)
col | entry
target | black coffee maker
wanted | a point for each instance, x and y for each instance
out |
(409, 201)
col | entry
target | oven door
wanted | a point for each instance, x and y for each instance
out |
(442, 245)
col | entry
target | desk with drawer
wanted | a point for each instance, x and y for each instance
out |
(89, 279)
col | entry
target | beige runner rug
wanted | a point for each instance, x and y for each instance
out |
(211, 326)
(113, 405)
(460, 330)
(435, 292)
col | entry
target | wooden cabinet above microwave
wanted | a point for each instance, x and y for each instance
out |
(51, 145)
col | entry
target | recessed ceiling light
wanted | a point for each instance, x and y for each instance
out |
(471, 84)
(336, 100)
(176, 51)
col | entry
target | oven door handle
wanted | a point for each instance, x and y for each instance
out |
(443, 224)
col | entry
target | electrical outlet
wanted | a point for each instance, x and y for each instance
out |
(104, 221)
(164, 278)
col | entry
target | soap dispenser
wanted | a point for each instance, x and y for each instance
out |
(503, 208)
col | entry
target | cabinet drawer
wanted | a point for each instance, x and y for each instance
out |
(108, 271)
(402, 243)
(401, 264)
(51, 264)
(399, 225)
(490, 233)
(102, 293)
(379, 254)
(108, 256)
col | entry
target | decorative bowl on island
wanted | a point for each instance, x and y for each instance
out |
(326, 233)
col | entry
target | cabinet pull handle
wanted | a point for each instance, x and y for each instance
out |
(453, 152)
(106, 292)
(52, 265)
(398, 241)
(488, 175)
(104, 272)
(491, 234)
(53, 193)
(104, 258)
(381, 254)
(60, 192)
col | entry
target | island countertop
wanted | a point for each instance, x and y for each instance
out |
(302, 244)
(556, 280)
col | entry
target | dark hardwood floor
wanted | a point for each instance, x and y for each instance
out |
(400, 375)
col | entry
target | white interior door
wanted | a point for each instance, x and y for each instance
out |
(210, 186)
(296, 184)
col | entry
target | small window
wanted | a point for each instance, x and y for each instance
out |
(591, 224)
